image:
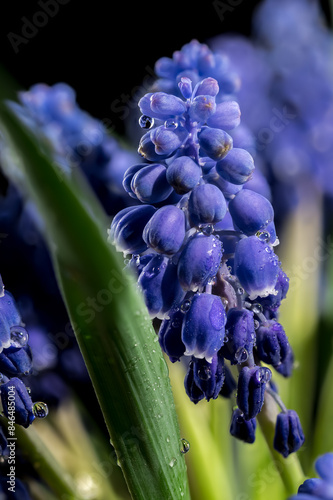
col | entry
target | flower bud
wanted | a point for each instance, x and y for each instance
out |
(23, 403)
(289, 435)
(160, 287)
(241, 335)
(127, 226)
(236, 167)
(251, 390)
(226, 116)
(206, 205)
(250, 211)
(215, 142)
(150, 185)
(169, 335)
(183, 174)
(165, 231)
(209, 377)
(243, 429)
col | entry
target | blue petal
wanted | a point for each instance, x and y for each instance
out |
(256, 267)
(206, 205)
(165, 231)
(199, 261)
(203, 328)
(216, 143)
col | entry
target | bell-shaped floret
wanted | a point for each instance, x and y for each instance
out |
(250, 211)
(241, 335)
(216, 143)
(16, 361)
(272, 345)
(167, 139)
(128, 176)
(209, 377)
(192, 390)
(226, 116)
(127, 226)
(251, 390)
(256, 267)
(289, 436)
(244, 430)
(150, 184)
(165, 231)
(170, 335)
(183, 174)
(199, 261)
(202, 107)
(204, 326)
(207, 87)
(160, 287)
(237, 167)
(161, 105)
(206, 205)
(22, 401)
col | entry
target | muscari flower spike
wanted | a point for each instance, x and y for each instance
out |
(202, 246)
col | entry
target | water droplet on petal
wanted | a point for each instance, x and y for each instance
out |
(18, 336)
(40, 409)
(171, 123)
(263, 236)
(146, 121)
(207, 229)
(257, 308)
(241, 355)
(173, 462)
(184, 446)
(205, 373)
(185, 306)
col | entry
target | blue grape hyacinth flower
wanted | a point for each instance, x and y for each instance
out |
(201, 245)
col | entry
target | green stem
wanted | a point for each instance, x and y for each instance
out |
(289, 468)
(45, 464)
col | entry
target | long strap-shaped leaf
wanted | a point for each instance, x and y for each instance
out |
(109, 317)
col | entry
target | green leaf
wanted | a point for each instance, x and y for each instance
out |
(110, 321)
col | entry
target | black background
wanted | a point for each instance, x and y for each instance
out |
(103, 48)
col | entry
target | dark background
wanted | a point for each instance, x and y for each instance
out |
(106, 55)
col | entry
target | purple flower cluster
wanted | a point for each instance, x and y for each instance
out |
(15, 365)
(77, 140)
(286, 96)
(202, 247)
(318, 488)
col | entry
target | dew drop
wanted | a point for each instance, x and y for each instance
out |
(264, 375)
(207, 229)
(173, 462)
(205, 373)
(240, 290)
(40, 409)
(184, 446)
(241, 355)
(19, 336)
(263, 236)
(185, 306)
(146, 121)
(171, 123)
(257, 308)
